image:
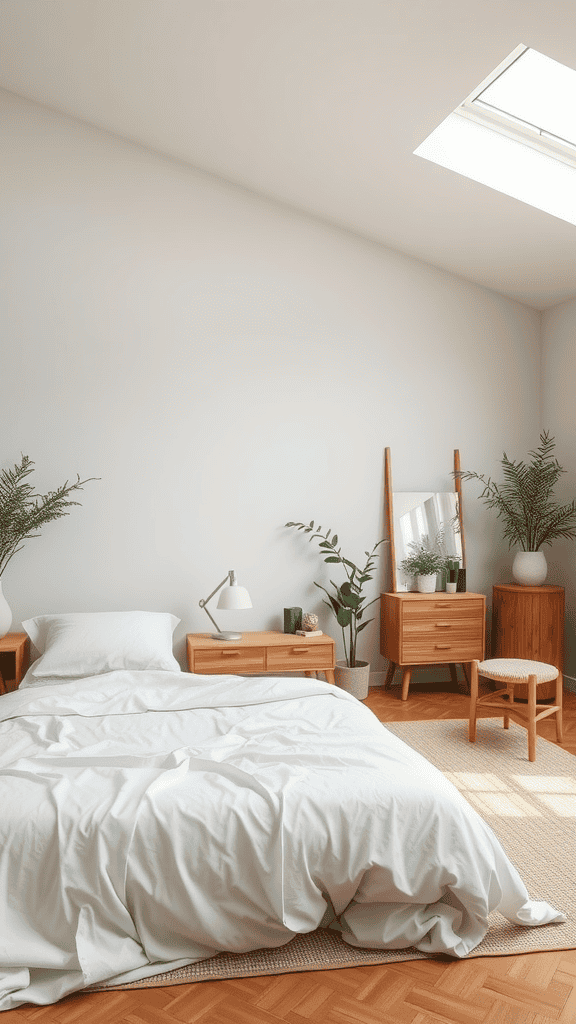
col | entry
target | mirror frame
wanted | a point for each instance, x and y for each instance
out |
(388, 490)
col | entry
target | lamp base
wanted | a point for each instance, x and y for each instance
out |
(225, 635)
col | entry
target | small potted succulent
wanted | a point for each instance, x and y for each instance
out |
(424, 564)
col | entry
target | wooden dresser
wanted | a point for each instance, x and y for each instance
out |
(431, 629)
(528, 622)
(267, 651)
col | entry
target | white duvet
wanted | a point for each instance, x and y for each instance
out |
(150, 819)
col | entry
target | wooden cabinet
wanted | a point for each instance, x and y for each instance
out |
(14, 660)
(528, 622)
(431, 629)
(267, 651)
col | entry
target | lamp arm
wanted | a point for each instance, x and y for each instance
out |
(204, 602)
(212, 620)
(219, 587)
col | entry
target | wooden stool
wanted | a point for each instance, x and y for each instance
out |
(512, 672)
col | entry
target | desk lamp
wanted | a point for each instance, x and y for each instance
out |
(232, 597)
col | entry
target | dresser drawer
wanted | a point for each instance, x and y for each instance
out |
(438, 629)
(237, 660)
(426, 652)
(443, 610)
(300, 656)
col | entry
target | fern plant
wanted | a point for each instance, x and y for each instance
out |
(347, 603)
(23, 512)
(524, 501)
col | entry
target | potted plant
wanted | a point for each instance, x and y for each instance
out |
(23, 513)
(424, 563)
(348, 604)
(528, 510)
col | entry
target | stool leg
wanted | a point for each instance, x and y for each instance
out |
(473, 700)
(559, 689)
(506, 718)
(531, 718)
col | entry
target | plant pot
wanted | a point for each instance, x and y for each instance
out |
(529, 568)
(353, 680)
(426, 584)
(5, 613)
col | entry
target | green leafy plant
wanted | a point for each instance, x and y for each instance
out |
(347, 602)
(423, 561)
(524, 501)
(23, 512)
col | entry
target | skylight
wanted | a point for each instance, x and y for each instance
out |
(516, 133)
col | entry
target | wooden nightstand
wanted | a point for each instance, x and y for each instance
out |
(268, 651)
(431, 629)
(14, 660)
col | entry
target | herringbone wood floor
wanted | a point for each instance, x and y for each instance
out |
(538, 988)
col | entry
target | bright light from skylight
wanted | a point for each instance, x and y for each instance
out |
(516, 133)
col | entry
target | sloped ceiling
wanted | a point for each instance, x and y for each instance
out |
(316, 103)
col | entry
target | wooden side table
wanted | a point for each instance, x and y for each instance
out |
(431, 629)
(14, 660)
(528, 622)
(265, 652)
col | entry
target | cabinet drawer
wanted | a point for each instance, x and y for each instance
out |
(439, 651)
(442, 629)
(307, 657)
(443, 610)
(237, 660)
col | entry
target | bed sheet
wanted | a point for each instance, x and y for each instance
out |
(150, 819)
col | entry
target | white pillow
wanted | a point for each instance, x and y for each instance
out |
(90, 643)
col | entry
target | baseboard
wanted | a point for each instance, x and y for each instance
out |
(426, 675)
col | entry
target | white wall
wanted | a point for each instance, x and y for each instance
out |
(225, 364)
(559, 417)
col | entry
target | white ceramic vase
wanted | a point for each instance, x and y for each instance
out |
(529, 568)
(426, 584)
(5, 613)
(354, 680)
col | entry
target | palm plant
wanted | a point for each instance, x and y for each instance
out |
(347, 603)
(524, 501)
(23, 512)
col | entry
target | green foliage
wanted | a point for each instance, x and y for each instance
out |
(524, 501)
(423, 561)
(23, 512)
(347, 603)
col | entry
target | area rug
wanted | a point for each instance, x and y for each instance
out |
(531, 806)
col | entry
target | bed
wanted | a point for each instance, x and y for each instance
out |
(151, 818)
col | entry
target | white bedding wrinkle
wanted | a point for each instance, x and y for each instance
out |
(154, 818)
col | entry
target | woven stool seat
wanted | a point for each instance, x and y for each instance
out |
(513, 671)
(516, 670)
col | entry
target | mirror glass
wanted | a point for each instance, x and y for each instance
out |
(424, 517)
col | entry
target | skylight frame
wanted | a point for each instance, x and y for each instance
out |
(513, 127)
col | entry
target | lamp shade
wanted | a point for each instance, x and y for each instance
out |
(234, 596)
